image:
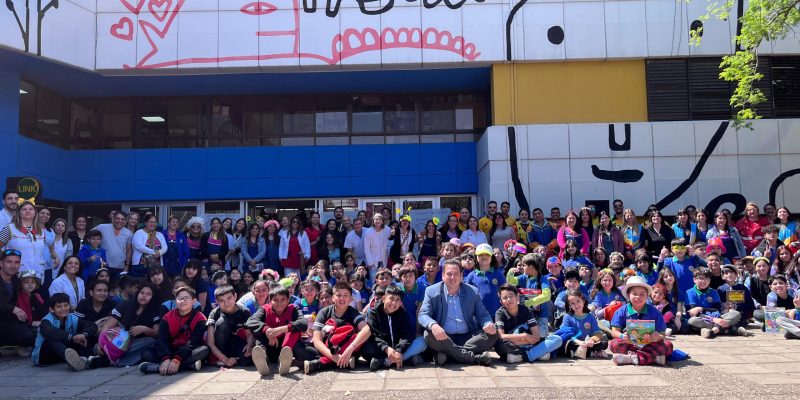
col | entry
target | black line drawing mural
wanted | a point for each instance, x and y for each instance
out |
(612, 139)
(509, 20)
(26, 30)
(629, 176)
(773, 188)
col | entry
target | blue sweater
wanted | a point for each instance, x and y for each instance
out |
(708, 299)
(585, 326)
(91, 267)
(683, 271)
(602, 299)
(487, 283)
(747, 307)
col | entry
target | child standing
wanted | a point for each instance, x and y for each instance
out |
(703, 306)
(519, 338)
(637, 291)
(579, 330)
(64, 337)
(91, 255)
(487, 277)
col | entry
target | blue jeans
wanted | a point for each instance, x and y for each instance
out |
(548, 345)
(135, 353)
(417, 347)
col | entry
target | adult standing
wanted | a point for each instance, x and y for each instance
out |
(403, 238)
(10, 205)
(133, 221)
(376, 241)
(501, 232)
(657, 236)
(619, 212)
(505, 209)
(607, 236)
(295, 249)
(473, 234)
(631, 233)
(463, 218)
(117, 244)
(750, 226)
(731, 239)
(524, 227)
(194, 236)
(14, 330)
(61, 245)
(177, 248)
(149, 245)
(253, 250)
(78, 233)
(486, 222)
(572, 231)
(214, 244)
(272, 241)
(354, 242)
(457, 325)
(315, 239)
(450, 229)
(24, 234)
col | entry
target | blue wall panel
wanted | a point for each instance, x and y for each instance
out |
(247, 172)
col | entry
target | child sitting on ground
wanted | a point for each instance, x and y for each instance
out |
(180, 341)
(644, 268)
(413, 294)
(606, 298)
(791, 322)
(229, 342)
(758, 284)
(780, 296)
(637, 291)
(572, 282)
(658, 298)
(431, 272)
(579, 330)
(392, 333)
(128, 287)
(676, 301)
(64, 337)
(95, 308)
(703, 306)
(535, 290)
(29, 300)
(519, 334)
(736, 296)
(586, 274)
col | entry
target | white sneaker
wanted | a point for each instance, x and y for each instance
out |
(706, 333)
(513, 358)
(668, 332)
(661, 360)
(198, 365)
(285, 361)
(74, 360)
(545, 357)
(580, 352)
(626, 359)
(742, 331)
(260, 360)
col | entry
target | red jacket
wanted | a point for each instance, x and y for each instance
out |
(751, 232)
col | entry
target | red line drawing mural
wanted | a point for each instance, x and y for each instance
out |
(349, 43)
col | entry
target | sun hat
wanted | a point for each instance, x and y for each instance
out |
(636, 281)
(484, 248)
(272, 222)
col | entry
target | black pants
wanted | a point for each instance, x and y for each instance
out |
(200, 353)
(228, 342)
(571, 346)
(16, 333)
(301, 350)
(462, 348)
(504, 348)
(53, 352)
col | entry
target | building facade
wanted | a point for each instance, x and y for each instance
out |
(226, 106)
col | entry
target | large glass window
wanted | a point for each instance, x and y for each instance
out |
(48, 116)
(27, 107)
(226, 123)
(116, 124)
(400, 114)
(298, 122)
(367, 114)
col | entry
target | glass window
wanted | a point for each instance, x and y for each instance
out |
(456, 202)
(183, 213)
(400, 114)
(48, 116)
(331, 121)
(402, 139)
(333, 141)
(152, 121)
(437, 138)
(298, 123)
(367, 114)
(297, 141)
(437, 113)
(116, 119)
(184, 117)
(96, 213)
(346, 204)
(222, 207)
(27, 107)
(258, 124)
(464, 119)
(226, 123)
(367, 140)
(84, 120)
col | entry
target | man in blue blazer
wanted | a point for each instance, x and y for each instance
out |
(457, 325)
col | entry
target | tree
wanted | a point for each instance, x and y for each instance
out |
(763, 20)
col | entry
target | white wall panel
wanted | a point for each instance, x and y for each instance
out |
(625, 27)
(584, 30)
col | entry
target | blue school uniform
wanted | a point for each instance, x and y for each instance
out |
(603, 299)
(557, 284)
(586, 288)
(487, 283)
(423, 280)
(648, 313)
(90, 267)
(683, 271)
(747, 307)
(651, 277)
(582, 326)
(708, 299)
(542, 310)
(560, 303)
(412, 300)
(575, 262)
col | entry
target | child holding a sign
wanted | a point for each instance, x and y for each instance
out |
(791, 322)
(704, 307)
(736, 296)
(638, 328)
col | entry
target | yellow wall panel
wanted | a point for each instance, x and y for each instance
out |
(569, 92)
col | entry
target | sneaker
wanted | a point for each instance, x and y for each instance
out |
(260, 360)
(668, 332)
(513, 358)
(661, 360)
(484, 359)
(98, 362)
(311, 366)
(148, 368)
(198, 365)
(74, 360)
(742, 331)
(580, 352)
(352, 362)
(440, 358)
(416, 361)
(376, 363)
(285, 360)
(626, 359)
(706, 333)
(599, 354)
(545, 357)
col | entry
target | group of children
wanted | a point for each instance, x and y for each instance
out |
(543, 308)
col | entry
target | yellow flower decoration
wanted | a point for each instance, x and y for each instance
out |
(436, 221)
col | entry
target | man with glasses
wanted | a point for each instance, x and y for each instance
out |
(14, 330)
(619, 210)
(10, 204)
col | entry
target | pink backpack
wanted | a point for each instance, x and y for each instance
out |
(115, 342)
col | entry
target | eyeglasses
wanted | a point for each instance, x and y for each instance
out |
(12, 252)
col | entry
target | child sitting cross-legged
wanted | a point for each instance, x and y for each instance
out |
(180, 343)
(64, 337)
(579, 330)
(571, 282)
(637, 291)
(391, 332)
(703, 306)
(229, 342)
(736, 296)
(606, 298)
(517, 326)
(277, 327)
(791, 322)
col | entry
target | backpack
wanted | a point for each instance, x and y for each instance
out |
(115, 342)
(339, 335)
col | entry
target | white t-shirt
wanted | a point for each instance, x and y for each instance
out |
(355, 242)
(115, 245)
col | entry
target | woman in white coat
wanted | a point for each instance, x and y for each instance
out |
(295, 249)
(148, 247)
(68, 282)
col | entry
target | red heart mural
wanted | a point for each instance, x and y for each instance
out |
(159, 8)
(123, 29)
(133, 9)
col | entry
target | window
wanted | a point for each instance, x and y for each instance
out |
(438, 113)
(116, 125)
(152, 122)
(84, 123)
(709, 96)
(346, 204)
(367, 114)
(226, 123)
(786, 86)
(400, 114)
(331, 121)
(96, 213)
(667, 90)
(48, 117)
(456, 202)
(27, 107)
(222, 207)
(298, 123)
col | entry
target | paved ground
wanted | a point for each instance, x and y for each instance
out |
(762, 365)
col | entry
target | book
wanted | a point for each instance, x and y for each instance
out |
(639, 331)
(771, 315)
(736, 296)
